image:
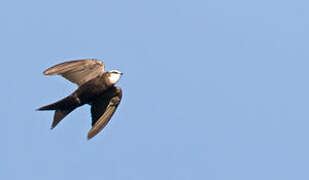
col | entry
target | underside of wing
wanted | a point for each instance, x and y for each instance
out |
(78, 71)
(103, 109)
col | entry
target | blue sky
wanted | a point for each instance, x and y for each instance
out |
(212, 89)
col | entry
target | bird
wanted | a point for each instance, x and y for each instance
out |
(95, 87)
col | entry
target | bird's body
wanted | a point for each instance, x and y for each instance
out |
(98, 90)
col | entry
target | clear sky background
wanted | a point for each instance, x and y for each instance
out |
(213, 89)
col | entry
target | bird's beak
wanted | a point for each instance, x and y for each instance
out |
(121, 73)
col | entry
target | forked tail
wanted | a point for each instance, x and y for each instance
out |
(62, 107)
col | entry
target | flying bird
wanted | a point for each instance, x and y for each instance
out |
(95, 87)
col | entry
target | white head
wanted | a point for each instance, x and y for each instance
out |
(114, 76)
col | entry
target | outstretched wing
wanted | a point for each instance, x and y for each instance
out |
(103, 109)
(78, 71)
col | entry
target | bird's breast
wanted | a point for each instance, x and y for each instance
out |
(88, 91)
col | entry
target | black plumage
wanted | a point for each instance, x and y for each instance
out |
(96, 88)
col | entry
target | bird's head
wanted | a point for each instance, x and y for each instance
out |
(113, 76)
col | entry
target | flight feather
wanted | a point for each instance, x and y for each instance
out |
(103, 109)
(78, 71)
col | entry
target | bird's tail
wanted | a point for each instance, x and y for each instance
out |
(62, 107)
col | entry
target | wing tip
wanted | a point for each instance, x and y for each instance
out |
(47, 72)
(90, 135)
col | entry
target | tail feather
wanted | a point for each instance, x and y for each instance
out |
(62, 107)
(65, 103)
(59, 115)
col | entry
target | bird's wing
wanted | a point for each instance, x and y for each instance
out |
(103, 109)
(78, 71)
